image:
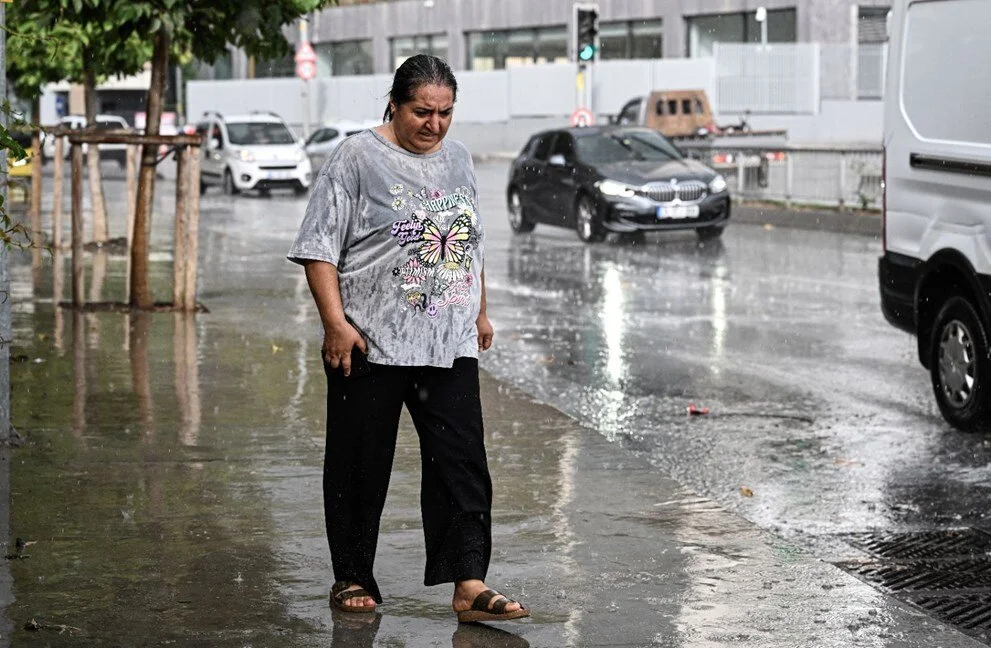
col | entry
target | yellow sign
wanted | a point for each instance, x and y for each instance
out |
(579, 80)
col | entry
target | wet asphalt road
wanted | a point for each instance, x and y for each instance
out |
(817, 405)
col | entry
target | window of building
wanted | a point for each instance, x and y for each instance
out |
(404, 47)
(281, 67)
(742, 27)
(498, 50)
(872, 24)
(639, 39)
(344, 58)
(221, 68)
(872, 39)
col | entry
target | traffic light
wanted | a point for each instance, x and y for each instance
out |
(586, 32)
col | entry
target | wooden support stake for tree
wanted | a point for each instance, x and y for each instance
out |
(78, 278)
(36, 205)
(57, 192)
(179, 254)
(193, 227)
(133, 153)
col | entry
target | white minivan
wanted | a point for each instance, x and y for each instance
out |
(935, 273)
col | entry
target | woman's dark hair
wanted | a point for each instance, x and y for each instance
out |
(416, 72)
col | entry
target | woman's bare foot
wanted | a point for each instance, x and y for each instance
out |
(466, 591)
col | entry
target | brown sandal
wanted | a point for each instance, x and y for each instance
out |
(480, 610)
(340, 593)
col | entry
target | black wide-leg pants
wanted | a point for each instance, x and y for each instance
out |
(455, 491)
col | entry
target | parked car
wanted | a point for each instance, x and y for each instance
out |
(326, 138)
(675, 113)
(935, 270)
(613, 179)
(114, 152)
(257, 151)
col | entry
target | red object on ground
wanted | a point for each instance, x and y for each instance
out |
(697, 411)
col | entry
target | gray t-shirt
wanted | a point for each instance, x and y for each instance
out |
(404, 233)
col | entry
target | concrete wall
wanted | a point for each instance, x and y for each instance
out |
(838, 123)
(825, 21)
(483, 97)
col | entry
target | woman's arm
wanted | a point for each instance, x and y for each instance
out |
(485, 330)
(338, 334)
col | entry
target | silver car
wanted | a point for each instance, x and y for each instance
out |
(326, 138)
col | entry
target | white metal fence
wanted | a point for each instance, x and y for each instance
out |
(852, 72)
(843, 177)
(778, 78)
(792, 78)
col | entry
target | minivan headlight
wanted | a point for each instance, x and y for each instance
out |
(245, 155)
(717, 184)
(613, 188)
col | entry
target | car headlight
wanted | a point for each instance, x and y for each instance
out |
(717, 184)
(613, 188)
(245, 156)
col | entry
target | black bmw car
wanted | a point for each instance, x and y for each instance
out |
(613, 179)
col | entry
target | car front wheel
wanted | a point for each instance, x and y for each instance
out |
(588, 222)
(959, 365)
(230, 189)
(519, 222)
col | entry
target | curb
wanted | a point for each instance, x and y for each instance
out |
(844, 222)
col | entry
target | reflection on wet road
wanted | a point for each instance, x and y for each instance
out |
(817, 406)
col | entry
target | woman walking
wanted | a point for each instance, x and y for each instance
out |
(393, 250)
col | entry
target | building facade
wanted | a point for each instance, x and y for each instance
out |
(360, 37)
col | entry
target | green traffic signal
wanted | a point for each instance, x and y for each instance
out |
(587, 53)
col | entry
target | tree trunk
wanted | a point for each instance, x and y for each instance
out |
(100, 230)
(140, 291)
(36, 237)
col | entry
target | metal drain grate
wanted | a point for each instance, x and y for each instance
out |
(929, 544)
(970, 612)
(924, 575)
(945, 573)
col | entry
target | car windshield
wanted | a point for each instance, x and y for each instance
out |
(626, 146)
(259, 133)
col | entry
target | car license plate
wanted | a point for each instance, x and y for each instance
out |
(677, 211)
(279, 175)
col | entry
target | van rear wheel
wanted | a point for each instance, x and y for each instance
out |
(959, 365)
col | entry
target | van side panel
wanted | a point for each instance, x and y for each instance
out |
(938, 131)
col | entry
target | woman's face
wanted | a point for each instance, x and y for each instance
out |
(422, 122)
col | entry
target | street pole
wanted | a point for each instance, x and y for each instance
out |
(180, 98)
(304, 37)
(6, 333)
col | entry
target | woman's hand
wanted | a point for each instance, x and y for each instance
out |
(485, 332)
(338, 340)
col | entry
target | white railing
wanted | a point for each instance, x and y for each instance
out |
(820, 175)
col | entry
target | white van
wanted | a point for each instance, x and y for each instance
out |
(935, 274)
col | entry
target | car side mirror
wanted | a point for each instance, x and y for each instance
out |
(557, 160)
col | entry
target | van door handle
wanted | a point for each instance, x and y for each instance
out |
(949, 165)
